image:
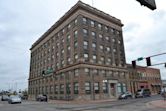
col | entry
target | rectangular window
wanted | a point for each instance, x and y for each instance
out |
(68, 88)
(99, 26)
(94, 46)
(84, 20)
(86, 56)
(75, 35)
(87, 71)
(56, 89)
(96, 87)
(87, 88)
(93, 35)
(76, 88)
(105, 88)
(94, 57)
(85, 32)
(76, 73)
(61, 89)
(92, 23)
(85, 44)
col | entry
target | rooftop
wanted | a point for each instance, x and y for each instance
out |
(83, 6)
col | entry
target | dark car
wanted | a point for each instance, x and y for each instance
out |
(4, 98)
(143, 93)
(125, 95)
(41, 97)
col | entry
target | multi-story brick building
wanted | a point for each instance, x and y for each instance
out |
(144, 77)
(80, 56)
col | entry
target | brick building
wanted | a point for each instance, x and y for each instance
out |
(80, 57)
(144, 77)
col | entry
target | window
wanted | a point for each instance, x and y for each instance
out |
(76, 74)
(107, 38)
(76, 88)
(94, 46)
(75, 22)
(102, 59)
(101, 47)
(86, 56)
(85, 44)
(95, 72)
(92, 23)
(119, 42)
(75, 34)
(99, 26)
(87, 72)
(100, 36)
(114, 50)
(68, 27)
(108, 49)
(85, 32)
(84, 20)
(87, 88)
(106, 28)
(61, 89)
(68, 88)
(62, 76)
(113, 40)
(105, 88)
(68, 38)
(96, 87)
(75, 56)
(75, 44)
(94, 57)
(93, 35)
(108, 61)
(51, 89)
(68, 60)
(63, 62)
(68, 48)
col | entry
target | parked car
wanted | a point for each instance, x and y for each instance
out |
(125, 95)
(143, 93)
(41, 97)
(4, 98)
(14, 99)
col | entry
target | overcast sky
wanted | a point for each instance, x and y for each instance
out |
(22, 22)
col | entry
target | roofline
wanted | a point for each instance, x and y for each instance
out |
(78, 5)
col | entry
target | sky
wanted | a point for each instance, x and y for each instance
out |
(22, 22)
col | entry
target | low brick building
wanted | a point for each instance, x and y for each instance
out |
(144, 77)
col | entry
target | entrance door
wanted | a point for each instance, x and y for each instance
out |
(112, 90)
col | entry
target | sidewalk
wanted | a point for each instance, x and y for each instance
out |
(80, 101)
(158, 103)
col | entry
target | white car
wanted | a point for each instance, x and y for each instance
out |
(14, 99)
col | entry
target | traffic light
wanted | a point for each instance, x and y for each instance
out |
(148, 61)
(148, 3)
(165, 65)
(134, 64)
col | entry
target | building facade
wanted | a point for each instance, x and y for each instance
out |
(144, 77)
(80, 57)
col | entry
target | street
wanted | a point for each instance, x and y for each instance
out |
(140, 104)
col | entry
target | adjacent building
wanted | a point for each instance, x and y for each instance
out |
(80, 57)
(144, 77)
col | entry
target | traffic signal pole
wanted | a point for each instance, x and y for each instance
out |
(148, 60)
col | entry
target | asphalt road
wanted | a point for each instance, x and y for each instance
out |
(120, 105)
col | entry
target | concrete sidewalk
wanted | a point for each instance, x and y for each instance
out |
(158, 103)
(80, 101)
